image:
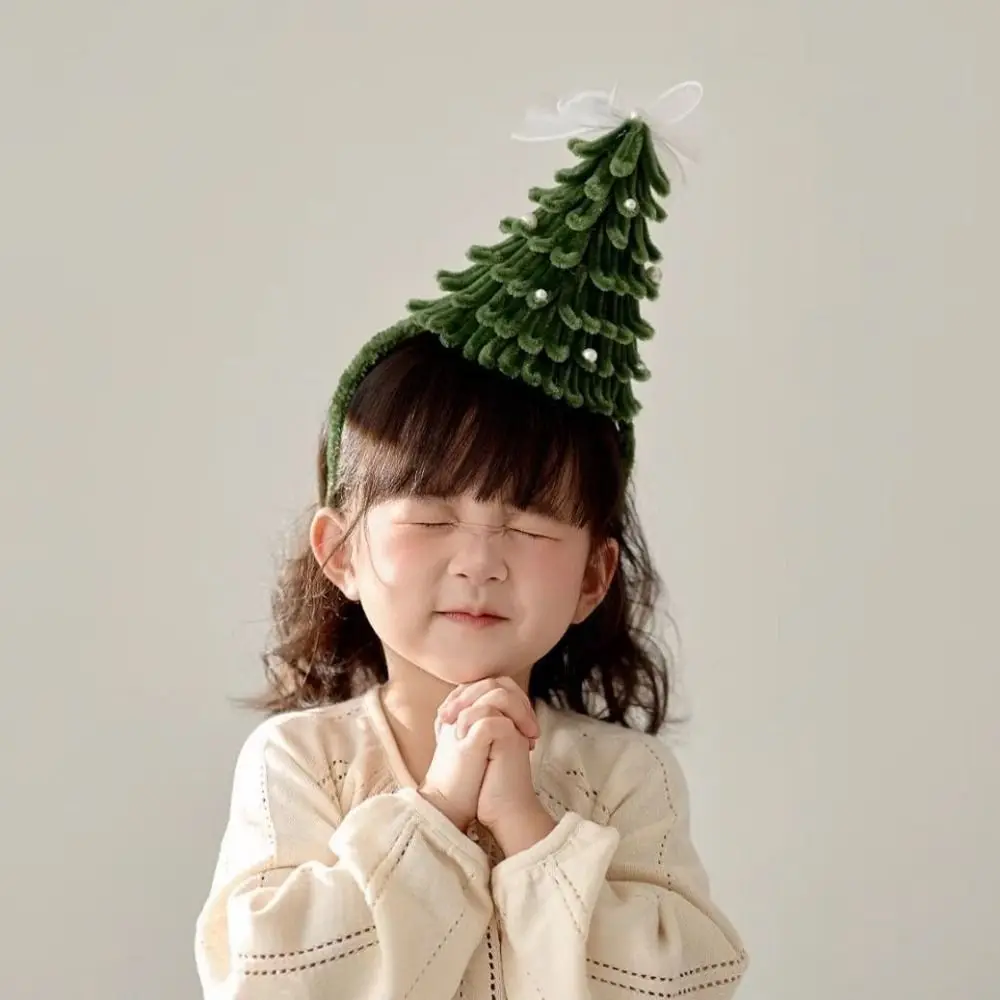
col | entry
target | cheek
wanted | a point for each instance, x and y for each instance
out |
(395, 591)
(398, 561)
(551, 576)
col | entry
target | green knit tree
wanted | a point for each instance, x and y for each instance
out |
(556, 303)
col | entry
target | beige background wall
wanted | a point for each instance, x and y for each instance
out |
(206, 207)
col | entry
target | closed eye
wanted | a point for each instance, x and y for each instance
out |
(451, 524)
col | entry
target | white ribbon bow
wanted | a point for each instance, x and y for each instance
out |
(595, 111)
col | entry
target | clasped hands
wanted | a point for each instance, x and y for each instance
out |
(481, 768)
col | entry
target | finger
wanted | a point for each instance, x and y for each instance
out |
(470, 693)
(455, 700)
(487, 707)
(511, 685)
(449, 699)
(483, 734)
(516, 709)
(489, 730)
(520, 709)
(468, 717)
(516, 704)
(465, 695)
(448, 710)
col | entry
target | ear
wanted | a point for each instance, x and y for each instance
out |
(597, 577)
(334, 555)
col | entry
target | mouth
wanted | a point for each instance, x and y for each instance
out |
(472, 618)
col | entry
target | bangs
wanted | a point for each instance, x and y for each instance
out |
(427, 422)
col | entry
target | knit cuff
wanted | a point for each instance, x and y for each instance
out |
(578, 852)
(467, 853)
(548, 845)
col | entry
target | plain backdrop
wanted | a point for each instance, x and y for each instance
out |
(206, 208)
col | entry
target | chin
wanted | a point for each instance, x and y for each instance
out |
(466, 672)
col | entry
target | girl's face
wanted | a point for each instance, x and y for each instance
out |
(415, 559)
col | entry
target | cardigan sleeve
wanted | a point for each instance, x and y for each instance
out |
(623, 909)
(388, 900)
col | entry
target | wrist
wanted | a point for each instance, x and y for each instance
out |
(522, 828)
(438, 801)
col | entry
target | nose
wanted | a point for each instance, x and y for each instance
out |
(476, 556)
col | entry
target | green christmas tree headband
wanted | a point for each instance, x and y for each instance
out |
(556, 303)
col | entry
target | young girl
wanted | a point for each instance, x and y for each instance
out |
(459, 793)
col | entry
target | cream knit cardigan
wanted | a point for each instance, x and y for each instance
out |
(337, 881)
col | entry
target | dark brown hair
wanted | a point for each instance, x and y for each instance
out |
(426, 421)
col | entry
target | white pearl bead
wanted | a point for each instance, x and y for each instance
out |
(589, 354)
(655, 274)
(631, 204)
(541, 295)
(530, 221)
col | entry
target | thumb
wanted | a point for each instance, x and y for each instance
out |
(445, 733)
